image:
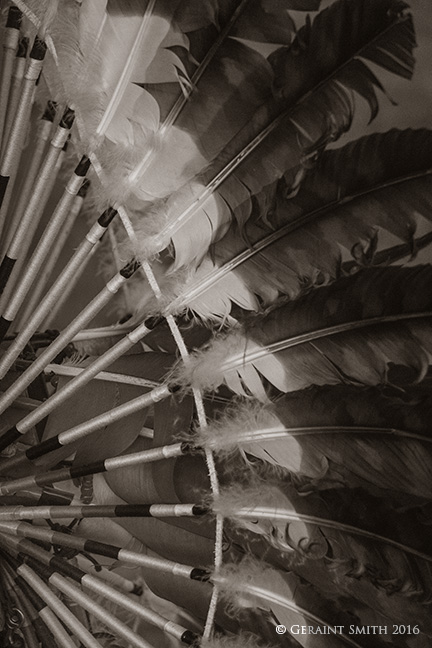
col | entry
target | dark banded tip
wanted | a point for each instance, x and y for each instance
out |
(92, 546)
(43, 448)
(10, 560)
(43, 570)
(202, 575)
(4, 326)
(188, 448)
(9, 437)
(54, 497)
(89, 469)
(23, 47)
(152, 322)
(199, 509)
(82, 168)
(108, 215)
(14, 18)
(130, 268)
(4, 181)
(190, 638)
(67, 118)
(34, 598)
(38, 50)
(174, 389)
(66, 568)
(50, 111)
(137, 590)
(132, 510)
(6, 268)
(82, 192)
(66, 144)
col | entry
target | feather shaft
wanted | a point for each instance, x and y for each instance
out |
(58, 566)
(66, 370)
(10, 44)
(281, 432)
(275, 347)
(126, 73)
(111, 463)
(56, 606)
(56, 291)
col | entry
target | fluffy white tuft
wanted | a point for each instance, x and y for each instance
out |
(204, 370)
(222, 435)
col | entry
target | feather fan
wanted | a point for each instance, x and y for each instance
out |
(302, 397)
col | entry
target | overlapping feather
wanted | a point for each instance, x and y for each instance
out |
(353, 198)
(338, 436)
(193, 165)
(360, 561)
(290, 125)
(352, 331)
(120, 53)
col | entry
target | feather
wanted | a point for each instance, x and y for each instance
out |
(298, 241)
(316, 539)
(334, 334)
(335, 436)
(290, 521)
(251, 584)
